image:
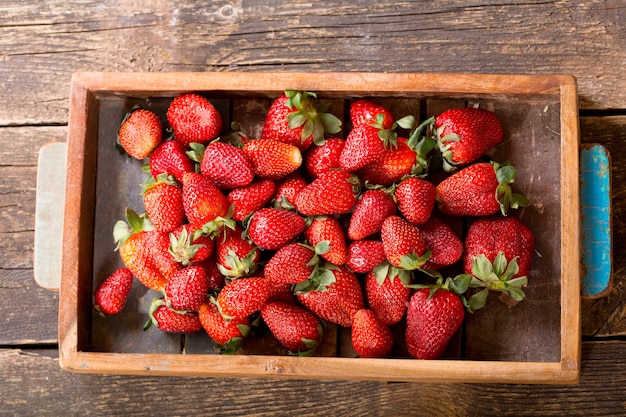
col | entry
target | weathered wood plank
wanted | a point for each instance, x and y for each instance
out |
(605, 316)
(33, 384)
(42, 46)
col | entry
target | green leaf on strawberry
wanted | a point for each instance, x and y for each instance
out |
(497, 276)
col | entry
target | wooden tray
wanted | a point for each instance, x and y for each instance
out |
(537, 341)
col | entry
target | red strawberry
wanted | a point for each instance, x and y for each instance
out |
(391, 167)
(291, 264)
(335, 299)
(365, 112)
(403, 244)
(250, 198)
(227, 333)
(370, 211)
(480, 189)
(370, 337)
(295, 117)
(319, 159)
(226, 165)
(498, 254)
(433, 317)
(272, 159)
(236, 255)
(364, 255)
(170, 157)
(387, 293)
(112, 293)
(172, 321)
(333, 192)
(445, 246)
(140, 249)
(416, 199)
(286, 190)
(271, 228)
(163, 201)
(243, 296)
(203, 201)
(215, 278)
(187, 247)
(466, 134)
(187, 289)
(364, 145)
(281, 292)
(294, 327)
(328, 230)
(140, 132)
(193, 119)
(489, 236)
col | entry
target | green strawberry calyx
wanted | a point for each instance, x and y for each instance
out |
(239, 267)
(422, 144)
(312, 116)
(134, 223)
(182, 247)
(385, 271)
(499, 276)
(505, 174)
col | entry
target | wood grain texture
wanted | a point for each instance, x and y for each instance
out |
(43, 43)
(35, 374)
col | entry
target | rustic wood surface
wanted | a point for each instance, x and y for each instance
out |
(43, 43)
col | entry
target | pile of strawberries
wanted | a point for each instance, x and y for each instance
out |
(302, 228)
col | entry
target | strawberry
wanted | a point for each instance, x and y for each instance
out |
(480, 189)
(250, 198)
(333, 192)
(227, 333)
(327, 229)
(272, 159)
(215, 278)
(364, 255)
(187, 289)
(138, 246)
(163, 201)
(364, 145)
(170, 157)
(243, 296)
(112, 293)
(371, 338)
(187, 246)
(281, 292)
(171, 321)
(193, 119)
(445, 246)
(226, 165)
(295, 117)
(466, 134)
(203, 202)
(416, 199)
(236, 255)
(334, 296)
(370, 211)
(387, 293)
(392, 166)
(319, 159)
(140, 133)
(291, 264)
(365, 112)
(433, 317)
(271, 228)
(294, 327)
(286, 190)
(498, 254)
(403, 244)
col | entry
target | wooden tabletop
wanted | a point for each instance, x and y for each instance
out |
(43, 43)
